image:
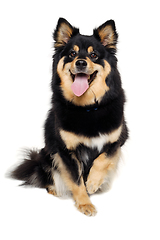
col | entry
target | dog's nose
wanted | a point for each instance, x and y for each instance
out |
(81, 64)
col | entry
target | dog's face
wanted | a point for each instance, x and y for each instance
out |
(84, 61)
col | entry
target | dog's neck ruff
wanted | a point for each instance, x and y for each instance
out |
(86, 109)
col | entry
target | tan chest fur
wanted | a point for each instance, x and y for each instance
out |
(72, 140)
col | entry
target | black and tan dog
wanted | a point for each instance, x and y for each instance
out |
(85, 128)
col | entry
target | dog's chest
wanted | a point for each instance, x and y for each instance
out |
(72, 140)
(96, 142)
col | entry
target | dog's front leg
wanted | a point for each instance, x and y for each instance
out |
(81, 198)
(77, 188)
(102, 165)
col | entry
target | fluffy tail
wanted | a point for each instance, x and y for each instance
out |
(35, 170)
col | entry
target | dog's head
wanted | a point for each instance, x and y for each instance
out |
(84, 62)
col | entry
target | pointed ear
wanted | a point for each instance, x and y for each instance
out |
(107, 34)
(64, 31)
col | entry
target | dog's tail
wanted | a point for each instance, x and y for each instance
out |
(35, 170)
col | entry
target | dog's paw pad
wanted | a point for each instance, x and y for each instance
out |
(87, 209)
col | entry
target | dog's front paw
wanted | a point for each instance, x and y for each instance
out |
(92, 186)
(87, 209)
(94, 182)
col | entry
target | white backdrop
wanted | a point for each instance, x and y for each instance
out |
(130, 210)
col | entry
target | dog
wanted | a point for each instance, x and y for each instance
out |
(85, 127)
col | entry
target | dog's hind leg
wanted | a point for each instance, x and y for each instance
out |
(59, 188)
(52, 190)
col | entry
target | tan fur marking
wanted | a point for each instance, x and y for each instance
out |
(76, 48)
(97, 88)
(115, 134)
(99, 170)
(90, 49)
(72, 140)
(66, 79)
(80, 195)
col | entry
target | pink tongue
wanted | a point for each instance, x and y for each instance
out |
(80, 84)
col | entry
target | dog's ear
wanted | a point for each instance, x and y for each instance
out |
(64, 31)
(107, 34)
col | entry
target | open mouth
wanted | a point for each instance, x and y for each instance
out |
(90, 78)
(81, 82)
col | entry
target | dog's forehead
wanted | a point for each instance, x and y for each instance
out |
(82, 42)
(78, 49)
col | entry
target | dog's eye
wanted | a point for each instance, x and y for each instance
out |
(93, 55)
(72, 54)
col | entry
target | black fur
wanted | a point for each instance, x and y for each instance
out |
(35, 170)
(87, 120)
